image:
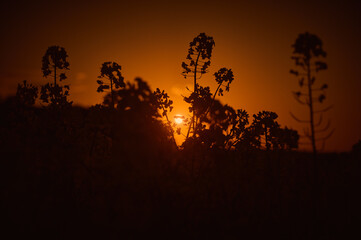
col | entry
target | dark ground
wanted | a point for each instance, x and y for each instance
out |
(80, 174)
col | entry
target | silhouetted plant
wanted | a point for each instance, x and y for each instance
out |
(226, 126)
(27, 93)
(238, 122)
(222, 127)
(307, 51)
(285, 138)
(135, 97)
(224, 77)
(110, 71)
(199, 102)
(163, 102)
(266, 125)
(55, 95)
(212, 131)
(199, 56)
(250, 139)
(203, 100)
(139, 101)
(54, 60)
(165, 105)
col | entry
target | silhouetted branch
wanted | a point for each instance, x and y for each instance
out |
(300, 94)
(325, 128)
(319, 121)
(326, 137)
(323, 145)
(298, 120)
(300, 101)
(324, 110)
(307, 134)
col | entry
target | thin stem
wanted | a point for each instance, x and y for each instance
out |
(195, 91)
(214, 96)
(311, 107)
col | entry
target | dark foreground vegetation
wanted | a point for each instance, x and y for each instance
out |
(114, 170)
(97, 173)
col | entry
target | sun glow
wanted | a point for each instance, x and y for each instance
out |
(178, 119)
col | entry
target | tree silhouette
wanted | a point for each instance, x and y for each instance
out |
(110, 71)
(307, 51)
(55, 60)
(136, 97)
(138, 101)
(199, 56)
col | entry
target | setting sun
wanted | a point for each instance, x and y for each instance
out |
(178, 119)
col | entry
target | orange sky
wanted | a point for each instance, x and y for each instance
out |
(150, 39)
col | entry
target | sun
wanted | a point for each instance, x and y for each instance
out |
(178, 119)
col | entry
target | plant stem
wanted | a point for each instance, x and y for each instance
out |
(311, 107)
(195, 91)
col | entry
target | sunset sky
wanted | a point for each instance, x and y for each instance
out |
(150, 39)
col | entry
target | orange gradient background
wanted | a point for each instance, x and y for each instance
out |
(150, 39)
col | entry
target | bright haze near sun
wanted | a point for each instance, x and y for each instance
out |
(178, 118)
